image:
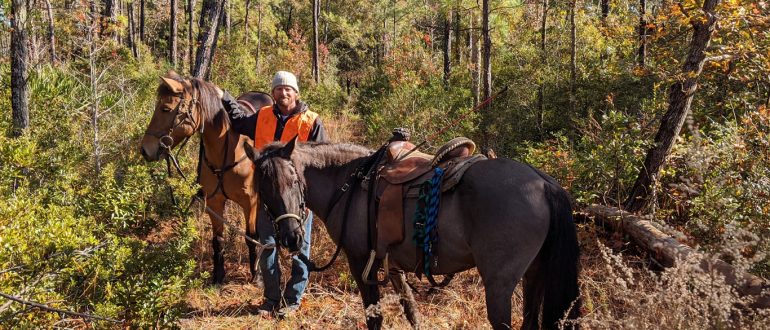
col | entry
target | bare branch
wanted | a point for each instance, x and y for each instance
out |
(56, 310)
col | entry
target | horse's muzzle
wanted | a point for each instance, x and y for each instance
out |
(293, 242)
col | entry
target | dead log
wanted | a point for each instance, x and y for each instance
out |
(667, 250)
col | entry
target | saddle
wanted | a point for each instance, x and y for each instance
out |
(400, 175)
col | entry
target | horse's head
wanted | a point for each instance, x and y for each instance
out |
(282, 190)
(181, 108)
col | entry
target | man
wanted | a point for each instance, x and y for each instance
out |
(280, 122)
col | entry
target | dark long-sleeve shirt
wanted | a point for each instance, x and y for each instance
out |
(247, 125)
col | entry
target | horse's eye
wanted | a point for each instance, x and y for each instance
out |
(165, 109)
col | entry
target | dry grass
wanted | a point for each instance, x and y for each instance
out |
(619, 291)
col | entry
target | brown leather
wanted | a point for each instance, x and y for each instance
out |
(245, 104)
(405, 170)
(390, 218)
(394, 149)
(399, 181)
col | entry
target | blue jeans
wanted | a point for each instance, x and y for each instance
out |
(271, 272)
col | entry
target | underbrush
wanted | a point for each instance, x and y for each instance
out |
(72, 235)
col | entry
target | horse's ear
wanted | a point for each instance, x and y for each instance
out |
(172, 84)
(289, 148)
(173, 75)
(251, 152)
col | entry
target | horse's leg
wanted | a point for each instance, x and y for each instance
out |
(217, 205)
(370, 294)
(534, 289)
(398, 279)
(498, 288)
(501, 271)
(250, 214)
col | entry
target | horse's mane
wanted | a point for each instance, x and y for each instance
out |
(311, 154)
(323, 154)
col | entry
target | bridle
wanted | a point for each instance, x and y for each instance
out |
(302, 217)
(184, 107)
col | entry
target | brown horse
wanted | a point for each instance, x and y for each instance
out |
(505, 218)
(186, 106)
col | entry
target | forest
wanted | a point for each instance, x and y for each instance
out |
(653, 114)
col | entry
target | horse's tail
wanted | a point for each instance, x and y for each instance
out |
(562, 255)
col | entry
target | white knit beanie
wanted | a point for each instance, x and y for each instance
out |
(285, 78)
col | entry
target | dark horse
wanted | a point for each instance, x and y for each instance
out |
(184, 107)
(505, 218)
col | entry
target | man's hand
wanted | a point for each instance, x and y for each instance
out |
(231, 105)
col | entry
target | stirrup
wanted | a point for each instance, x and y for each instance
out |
(368, 269)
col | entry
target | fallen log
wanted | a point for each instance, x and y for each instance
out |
(667, 251)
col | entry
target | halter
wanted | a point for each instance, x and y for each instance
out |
(301, 218)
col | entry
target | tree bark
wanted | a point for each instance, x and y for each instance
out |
(457, 25)
(447, 47)
(668, 251)
(246, 21)
(208, 28)
(475, 63)
(544, 64)
(605, 11)
(132, 30)
(172, 36)
(316, 10)
(259, 37)
(573, 60)
(679, 99)
(110, 18)
(141, 20)
(227, 19)
(326, 22)
(641, 54)
(190, 33)
(487, 75)
(19, 72)
(51, 36)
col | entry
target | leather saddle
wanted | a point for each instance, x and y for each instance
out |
(400, 176)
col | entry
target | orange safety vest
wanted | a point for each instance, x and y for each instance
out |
(300, 125)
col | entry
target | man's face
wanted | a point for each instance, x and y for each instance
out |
(285, 97)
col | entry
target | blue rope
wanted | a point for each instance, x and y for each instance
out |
(426, 217)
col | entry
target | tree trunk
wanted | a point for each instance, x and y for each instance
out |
(208, 28)
(51, 37)
(326, 23)
(668, 251)
(641, 54)
(19, 74)
(110, 18)
(288, 20)
(132, 30)
(172, 36)
(316, 10)
(141, 20)
(190, 33)
(246, 21)
(227, 19)
(447, 47)
(679, 99)
(573, 60)
(475, 63)
(259, 37)
(486, 116)
(544, 64)
(457, 54)
(605, 11)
